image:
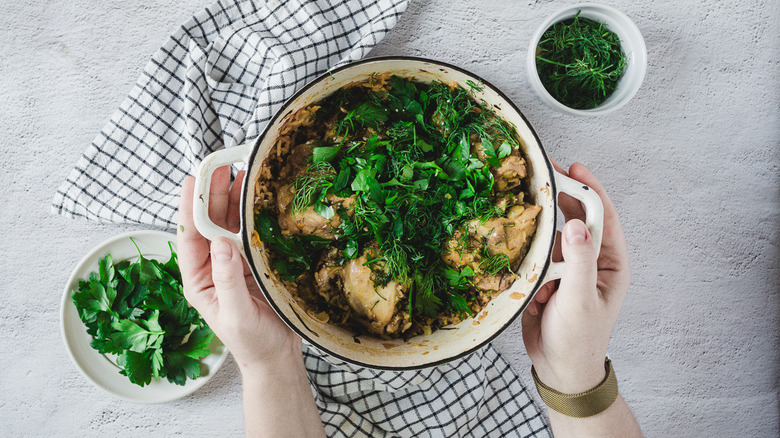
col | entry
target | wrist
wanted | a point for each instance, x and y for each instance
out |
(572, 378)
(278, 364)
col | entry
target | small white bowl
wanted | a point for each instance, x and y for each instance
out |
(101, 369)
(630, 39)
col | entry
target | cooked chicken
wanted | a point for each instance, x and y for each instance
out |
(499, 282)
(375, 303)
(508, 235)
(296, 163)
(510, 173)
(308, 221)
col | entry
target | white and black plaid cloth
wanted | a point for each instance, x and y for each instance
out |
(476, 396)
(215, 83)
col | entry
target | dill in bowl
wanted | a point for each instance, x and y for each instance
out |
(579, 61)
(394, 207)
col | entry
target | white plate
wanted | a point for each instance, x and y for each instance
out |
(101, 369)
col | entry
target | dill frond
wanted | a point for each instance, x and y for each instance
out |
(494, 264)
(580, 62)
(312, 185)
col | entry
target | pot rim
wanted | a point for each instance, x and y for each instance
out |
(245, 234)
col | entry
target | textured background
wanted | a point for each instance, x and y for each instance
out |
(691, 162)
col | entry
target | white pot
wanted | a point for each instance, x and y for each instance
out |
(447, 343)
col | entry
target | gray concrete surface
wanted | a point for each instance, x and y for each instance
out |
(691, 162)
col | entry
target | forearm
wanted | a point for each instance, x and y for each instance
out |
(278, 401)
(596, 379)
(617, 421)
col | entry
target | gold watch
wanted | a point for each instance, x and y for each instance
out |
(583, 404)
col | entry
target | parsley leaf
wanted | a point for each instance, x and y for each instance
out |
(295, 259)
(504, 150)
(459, 304)
(324, 154)
(197, 346)
(370, 114)
(351, 250)
(136, 366)
(180, 367)
(138, 312)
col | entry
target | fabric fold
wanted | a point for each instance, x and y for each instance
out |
(215, 83)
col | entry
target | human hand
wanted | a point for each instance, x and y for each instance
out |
(567, 327)
(220, 285)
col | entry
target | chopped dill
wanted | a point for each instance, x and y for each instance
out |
(579, 62)
(494, 264)
(312, 185)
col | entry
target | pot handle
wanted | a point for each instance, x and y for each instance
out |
(594, 216)
(200, 201)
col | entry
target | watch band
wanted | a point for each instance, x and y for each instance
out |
(583, 404)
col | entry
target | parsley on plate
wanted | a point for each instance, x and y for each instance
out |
(137, 311)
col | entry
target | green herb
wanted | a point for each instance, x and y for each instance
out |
(295, 258)
(492, 265)
(425, 300)
(580, 62)
(138, 312)
(404, 156)
(324, 154)
(312, 185)
(458, 303)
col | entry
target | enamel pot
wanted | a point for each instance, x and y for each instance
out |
(444, 344)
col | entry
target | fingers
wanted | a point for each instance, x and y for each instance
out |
(579, 272)
(531, 323)
(540, 298)
(558, 167)
(219, 196)
(544, 292)
(557, 255)
(227, 271)
(234, 204)
(234, 211)
(193, 249)
(571, 207)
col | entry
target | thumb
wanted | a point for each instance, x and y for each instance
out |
(227, 271)
(580, 271)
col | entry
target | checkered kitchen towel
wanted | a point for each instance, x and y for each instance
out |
(215, 83)
(476, 396)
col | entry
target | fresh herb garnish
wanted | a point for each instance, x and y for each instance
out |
(294, 257)
(138, 312)
(312, 185)
(404, 155)
(580, 62)
(494, 264)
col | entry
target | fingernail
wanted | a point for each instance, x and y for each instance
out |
(575, 232)
(221, 250)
